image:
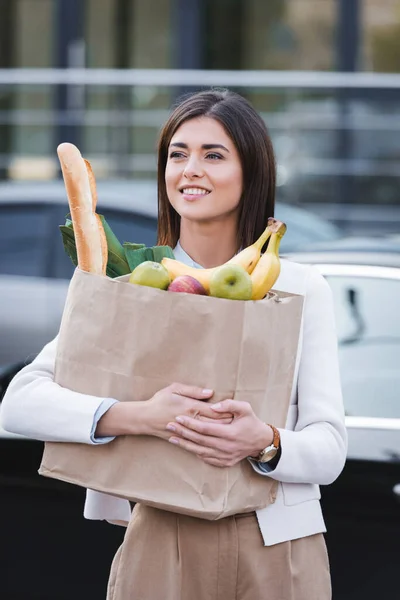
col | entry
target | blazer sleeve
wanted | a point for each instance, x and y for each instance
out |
(37, 407)
(315, 452)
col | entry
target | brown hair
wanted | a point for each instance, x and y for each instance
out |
(249, 134)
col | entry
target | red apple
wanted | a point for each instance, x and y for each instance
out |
(188, 284)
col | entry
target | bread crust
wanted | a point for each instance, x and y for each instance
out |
(92, 183)
(103, 242)
(90, 239)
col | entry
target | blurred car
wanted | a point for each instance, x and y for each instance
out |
(368, 247)
(35, 270)
(362, 508)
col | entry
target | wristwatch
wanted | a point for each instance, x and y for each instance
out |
(269, 452)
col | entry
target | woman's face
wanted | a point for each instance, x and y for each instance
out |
(203, 175)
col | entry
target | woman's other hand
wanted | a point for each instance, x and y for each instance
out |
(151, 417)
(222, 444)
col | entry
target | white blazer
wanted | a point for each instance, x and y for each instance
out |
(314, 441)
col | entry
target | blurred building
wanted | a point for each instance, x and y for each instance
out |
(334, 146)
(209, 34)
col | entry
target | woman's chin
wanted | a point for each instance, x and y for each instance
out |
(198, 217)
(192, 212)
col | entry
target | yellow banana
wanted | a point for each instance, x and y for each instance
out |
(247, 259)
(249, 256)
(268, 267)
(176, 268)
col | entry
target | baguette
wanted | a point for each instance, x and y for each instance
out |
(93, 190)
(90, 239)
(92, 183)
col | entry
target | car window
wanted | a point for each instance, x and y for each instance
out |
(369, 344)
(131, 227)
(304, 228)
(63, 266)
(25, 232)
(127, 226)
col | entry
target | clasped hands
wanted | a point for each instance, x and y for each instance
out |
(220, 434)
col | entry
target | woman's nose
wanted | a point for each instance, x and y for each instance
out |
(193, 169)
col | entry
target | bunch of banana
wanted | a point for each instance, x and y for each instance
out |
(264, 268)
(268, 268)
(247, 258)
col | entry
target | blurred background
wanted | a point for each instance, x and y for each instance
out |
(305, 64)
(103, 74)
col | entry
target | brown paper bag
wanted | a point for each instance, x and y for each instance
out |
(127, 342)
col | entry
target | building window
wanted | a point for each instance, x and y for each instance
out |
(278, 34)
(380, 50)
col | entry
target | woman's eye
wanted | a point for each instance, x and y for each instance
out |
(214, 156)
(176, 155)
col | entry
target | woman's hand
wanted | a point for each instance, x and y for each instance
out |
(222, 444)
(179, 399)
(150, 417)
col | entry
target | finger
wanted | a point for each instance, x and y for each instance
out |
(197, 438)
(215, 462)
(196, 408)
(237, 407)
(200, 451)
(191, 391)
(209, 414)
(222, 420)
(218, 430)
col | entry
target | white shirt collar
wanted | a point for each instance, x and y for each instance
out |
(184, 257)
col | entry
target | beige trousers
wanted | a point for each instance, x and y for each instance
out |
(167, 556)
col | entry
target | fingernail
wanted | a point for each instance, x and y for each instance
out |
(207, 392)
(180, 420)
(216, 406)
(171, 427)
(173, 441)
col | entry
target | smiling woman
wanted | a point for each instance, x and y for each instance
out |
(205, 147)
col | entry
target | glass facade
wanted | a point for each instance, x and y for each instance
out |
(278, 34)
(129, 34)
(235, 34)
(28, 29)
(125, 34)
(380, 49)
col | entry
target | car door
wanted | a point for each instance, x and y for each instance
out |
(362, 508)
(35, 271)
(130, 226)
(32, 300)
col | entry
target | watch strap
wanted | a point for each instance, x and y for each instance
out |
(277, 437)
(268, 453)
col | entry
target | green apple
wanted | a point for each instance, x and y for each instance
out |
(152, 274)
(232, 282)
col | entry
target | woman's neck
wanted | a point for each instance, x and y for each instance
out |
(209, 244)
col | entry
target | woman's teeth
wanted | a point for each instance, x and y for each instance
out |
(195, 192)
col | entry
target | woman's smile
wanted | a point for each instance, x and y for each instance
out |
(194, 193)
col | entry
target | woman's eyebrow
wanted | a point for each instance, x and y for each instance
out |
(204, 146)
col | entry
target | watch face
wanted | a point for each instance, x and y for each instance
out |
(268, 454)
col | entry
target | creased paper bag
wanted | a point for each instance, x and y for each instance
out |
(127, 342)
